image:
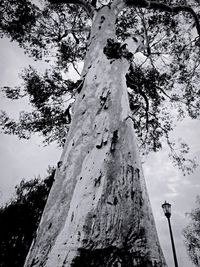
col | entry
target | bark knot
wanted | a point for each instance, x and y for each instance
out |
(116, 50)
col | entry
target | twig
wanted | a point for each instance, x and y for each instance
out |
(74, 66)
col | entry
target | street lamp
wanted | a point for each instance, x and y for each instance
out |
(167, 211)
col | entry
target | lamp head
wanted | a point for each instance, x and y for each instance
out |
(167, 209)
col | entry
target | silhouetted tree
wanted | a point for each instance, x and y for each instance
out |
(19, 219)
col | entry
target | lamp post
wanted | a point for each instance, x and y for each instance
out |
(167, 211)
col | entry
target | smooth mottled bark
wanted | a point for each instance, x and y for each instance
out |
(98, 212)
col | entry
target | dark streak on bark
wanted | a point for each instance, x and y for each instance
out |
(99, 145)
(59, 164)
(101, 21)
(104, 100)
(115, 201)
(72, 217)
(114, 140)
(97, 181)
(111, 257)
(34, 262)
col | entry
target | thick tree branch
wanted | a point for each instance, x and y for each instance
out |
(83, 3)
(163, 7)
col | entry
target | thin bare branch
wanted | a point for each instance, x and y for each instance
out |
(175, 9)
(75, 68)
(166, 8)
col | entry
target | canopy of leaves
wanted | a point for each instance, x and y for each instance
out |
(192, 234)
(17, 18)
(19, 219)
(163, 77)
(49, 95)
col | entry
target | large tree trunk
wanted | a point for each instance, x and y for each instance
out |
(98, 212)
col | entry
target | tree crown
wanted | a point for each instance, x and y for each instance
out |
(163, 76)
(20, 217)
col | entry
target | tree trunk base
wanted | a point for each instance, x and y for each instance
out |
(110, 257)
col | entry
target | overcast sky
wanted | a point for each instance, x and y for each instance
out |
(27, 159)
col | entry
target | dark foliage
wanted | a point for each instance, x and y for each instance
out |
(19, 219)
(192, 234)
(17, 18)
(49, 95)
(145, 99)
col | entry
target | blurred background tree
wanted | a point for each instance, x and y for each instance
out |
(192, 234)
